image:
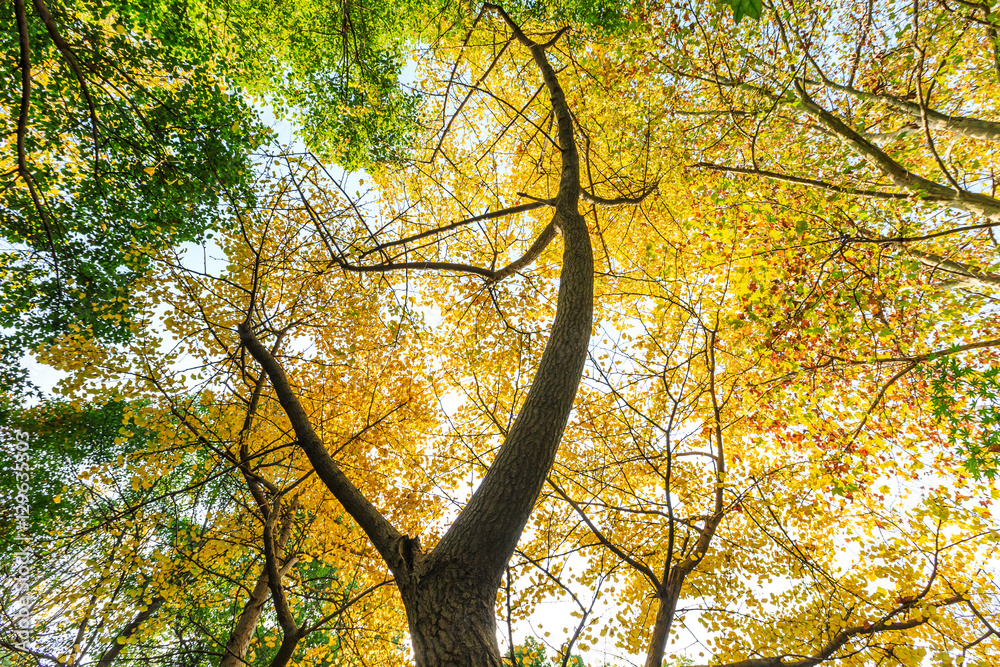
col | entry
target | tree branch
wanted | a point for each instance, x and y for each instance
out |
(642, 568)
(927, 356)
(618, 201)
(536, 249)
(444, 132)
(378, 529)
(971, 275)
(112, 653)
(974, 128)
(272, 554)
(70, 58)
(840, 639)
(511, 210)
(822, 185)
(973, 202)
(239, 639)
(22, 123)
(416, 266)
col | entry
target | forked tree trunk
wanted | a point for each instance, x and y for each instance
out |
(246, 625)
(449, 593)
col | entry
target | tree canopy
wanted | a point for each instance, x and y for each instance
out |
(648, 334)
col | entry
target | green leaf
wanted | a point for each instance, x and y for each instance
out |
(741, 8)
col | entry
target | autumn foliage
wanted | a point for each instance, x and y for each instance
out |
(665, 337)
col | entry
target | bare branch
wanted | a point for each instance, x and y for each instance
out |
(642, 568)
(490, 215)
(447, 128)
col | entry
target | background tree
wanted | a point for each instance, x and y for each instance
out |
(118, 135)
(852, 129)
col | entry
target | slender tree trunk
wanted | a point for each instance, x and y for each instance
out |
(112, 653)
(667, 605)
(239, 641)
(669, 591)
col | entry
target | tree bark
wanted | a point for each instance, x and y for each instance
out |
(451, 617)
(239, 641)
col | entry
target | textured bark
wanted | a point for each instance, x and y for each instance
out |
(451, 617)
(450, 597)
(236, 647)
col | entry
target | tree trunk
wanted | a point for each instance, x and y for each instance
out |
(661, 629)
(453, 625)
(286, 650)
(450, 593)
(236, 647)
